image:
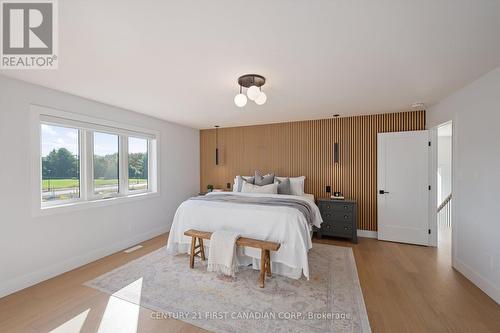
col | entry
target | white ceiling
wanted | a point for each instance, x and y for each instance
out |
(179, 60)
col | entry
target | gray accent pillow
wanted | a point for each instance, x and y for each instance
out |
(263, 180)
(250, 180)
(284, 186)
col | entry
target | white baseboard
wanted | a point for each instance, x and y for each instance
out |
(30, 279)
(485, 285)
(367, 234)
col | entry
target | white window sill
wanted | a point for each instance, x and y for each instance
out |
(80, 205)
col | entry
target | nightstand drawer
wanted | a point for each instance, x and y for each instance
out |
(337, 229)
(344, 230)
(336, 216)
(335, 206)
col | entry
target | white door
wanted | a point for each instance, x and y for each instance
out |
(403, 187)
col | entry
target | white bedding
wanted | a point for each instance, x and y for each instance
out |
(285, 225)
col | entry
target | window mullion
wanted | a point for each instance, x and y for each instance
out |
(89, 155)
(123, 162)
(153, 165)
(150, 166)
(83, 164)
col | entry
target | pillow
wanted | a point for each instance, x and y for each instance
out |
(284, 186)
(296, 184)
(267, 189)
(235, 184)
(263, 180)
(238, 182)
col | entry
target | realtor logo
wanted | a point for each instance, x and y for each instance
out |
(29, 34)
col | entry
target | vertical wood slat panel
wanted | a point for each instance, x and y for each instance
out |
(306, 148)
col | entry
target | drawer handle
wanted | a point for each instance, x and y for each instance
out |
(346, 228)
(328, 215)
(346, 217)
(346, 207)
(328, 206)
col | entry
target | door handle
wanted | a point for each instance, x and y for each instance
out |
(382, 192)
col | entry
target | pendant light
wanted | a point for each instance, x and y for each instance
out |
(336, 154)
(336, 147)
(240, 100)
(253, 93)
(216, 144)
(261, 99)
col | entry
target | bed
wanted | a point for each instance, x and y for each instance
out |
(256, 216)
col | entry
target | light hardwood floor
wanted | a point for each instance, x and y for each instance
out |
(406, 289)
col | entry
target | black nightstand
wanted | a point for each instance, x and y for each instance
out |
(339, 219)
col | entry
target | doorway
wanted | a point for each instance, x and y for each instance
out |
(444, 187)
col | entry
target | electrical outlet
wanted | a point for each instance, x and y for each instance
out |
(328, 189)
(228, 185)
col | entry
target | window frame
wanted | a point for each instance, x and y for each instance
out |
(91, 193)
(125, 167)
(67, 201)
(86, 127)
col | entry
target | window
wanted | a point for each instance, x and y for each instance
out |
(60, 163)
(106, 168)
(137, 164)
(82, 161)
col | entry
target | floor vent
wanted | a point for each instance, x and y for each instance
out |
(132, 249)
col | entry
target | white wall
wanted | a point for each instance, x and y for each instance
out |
(33, 249)
(475, 111)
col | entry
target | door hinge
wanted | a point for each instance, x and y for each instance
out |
(429, 143)
(429, 231)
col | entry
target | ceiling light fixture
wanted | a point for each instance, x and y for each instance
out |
(253, 83)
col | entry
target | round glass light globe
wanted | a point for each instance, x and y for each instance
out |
(240, 100)
(253, 92)
(261, 99)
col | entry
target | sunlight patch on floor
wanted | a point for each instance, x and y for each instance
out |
(74, 325)
(122, 316)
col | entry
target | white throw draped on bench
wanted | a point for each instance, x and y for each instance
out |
(222, 253)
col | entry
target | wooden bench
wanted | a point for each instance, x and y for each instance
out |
(265, 247)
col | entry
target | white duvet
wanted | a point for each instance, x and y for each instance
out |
(284, 225)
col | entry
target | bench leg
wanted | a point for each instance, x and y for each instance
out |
(202, 249)
(191, 257)
(262, 276)
(268, 263)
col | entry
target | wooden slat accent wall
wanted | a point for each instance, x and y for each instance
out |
(306, 148)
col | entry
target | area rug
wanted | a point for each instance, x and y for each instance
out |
(331, 301)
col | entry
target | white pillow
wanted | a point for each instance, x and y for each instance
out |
(267, 189)
(236, 183)
(296, 184)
